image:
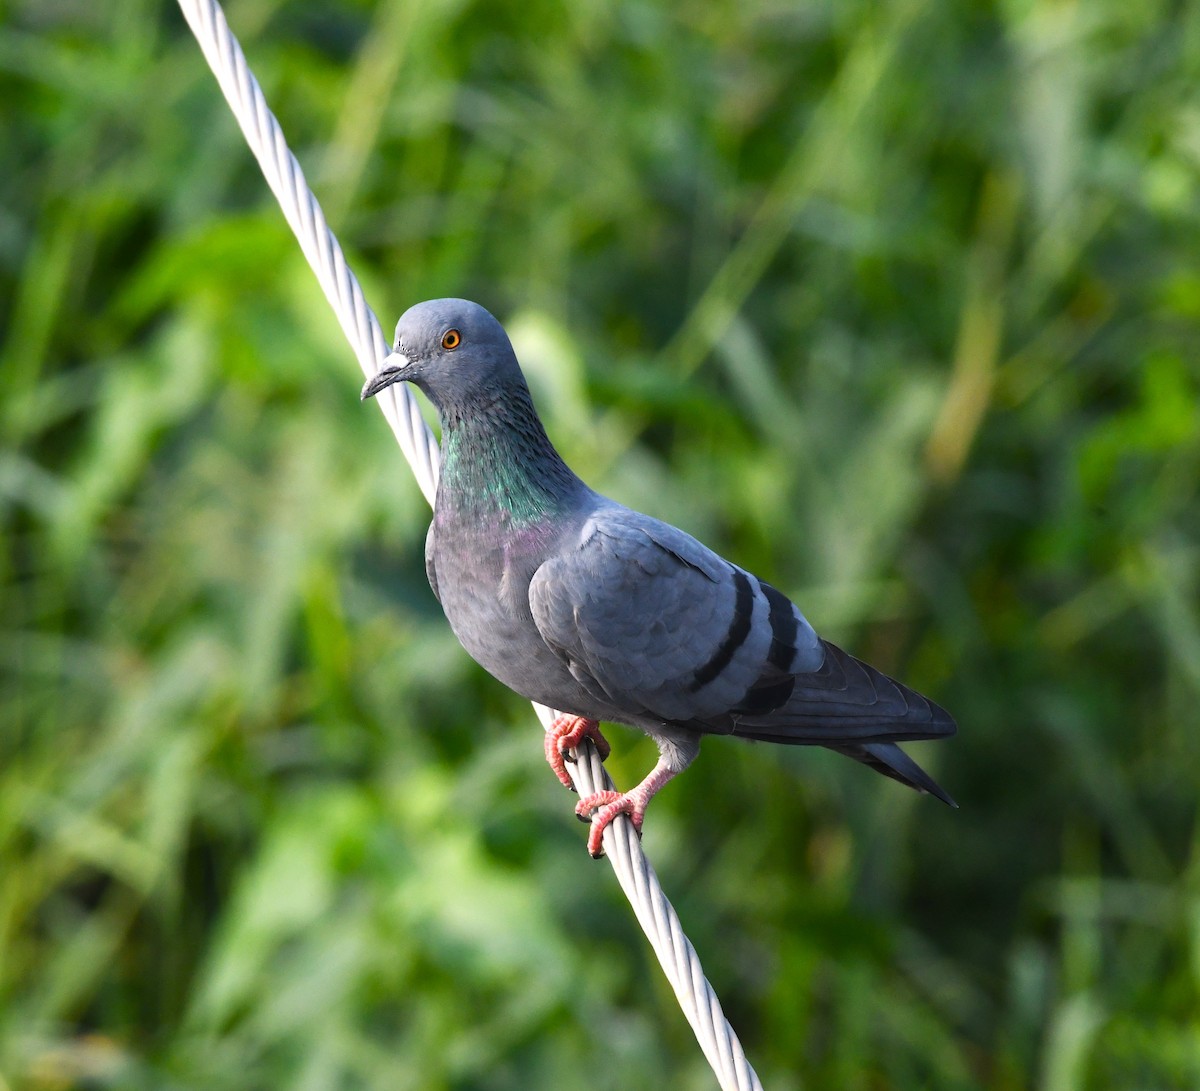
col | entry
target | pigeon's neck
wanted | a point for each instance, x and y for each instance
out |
(498, 461)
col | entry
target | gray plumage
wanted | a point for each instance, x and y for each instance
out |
(579, 603)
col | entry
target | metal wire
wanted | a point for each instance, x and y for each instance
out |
(621, 844)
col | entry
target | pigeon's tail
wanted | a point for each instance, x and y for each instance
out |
(846, 703)
(887, 758)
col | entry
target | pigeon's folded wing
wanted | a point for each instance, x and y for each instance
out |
(660, 626)
(430, 564)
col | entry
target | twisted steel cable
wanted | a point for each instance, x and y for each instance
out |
(622, 846)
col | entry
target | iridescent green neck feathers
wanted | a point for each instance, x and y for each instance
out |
(498, 460)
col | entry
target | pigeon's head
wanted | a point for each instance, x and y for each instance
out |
(455, 351)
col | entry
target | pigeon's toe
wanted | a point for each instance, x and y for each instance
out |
(600, 809)
(566, 733)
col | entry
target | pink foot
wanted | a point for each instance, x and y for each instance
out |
(600, 809)
(566, 733)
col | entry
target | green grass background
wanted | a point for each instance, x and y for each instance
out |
(896, 303)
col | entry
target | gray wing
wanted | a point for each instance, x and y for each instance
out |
(663, 628)
(430, 570)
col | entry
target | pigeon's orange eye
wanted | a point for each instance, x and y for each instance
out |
(451, 339)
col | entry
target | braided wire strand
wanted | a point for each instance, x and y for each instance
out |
(283, 173)
(318, 243)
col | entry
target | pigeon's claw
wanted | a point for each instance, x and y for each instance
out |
(600, 809)
(566, 733)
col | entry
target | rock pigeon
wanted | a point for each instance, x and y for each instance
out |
(605, 614)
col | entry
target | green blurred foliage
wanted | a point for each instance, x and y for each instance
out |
(897, 303)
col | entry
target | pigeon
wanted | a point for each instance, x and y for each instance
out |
(604, 614)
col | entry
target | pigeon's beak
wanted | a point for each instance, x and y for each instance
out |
(392, 371)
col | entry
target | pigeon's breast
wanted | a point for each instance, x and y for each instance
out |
(483, 576)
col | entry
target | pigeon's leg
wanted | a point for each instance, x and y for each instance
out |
(600, 809)
(566, 733)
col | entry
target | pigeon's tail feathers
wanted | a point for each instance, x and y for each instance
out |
(844, 701)
(887, 758)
